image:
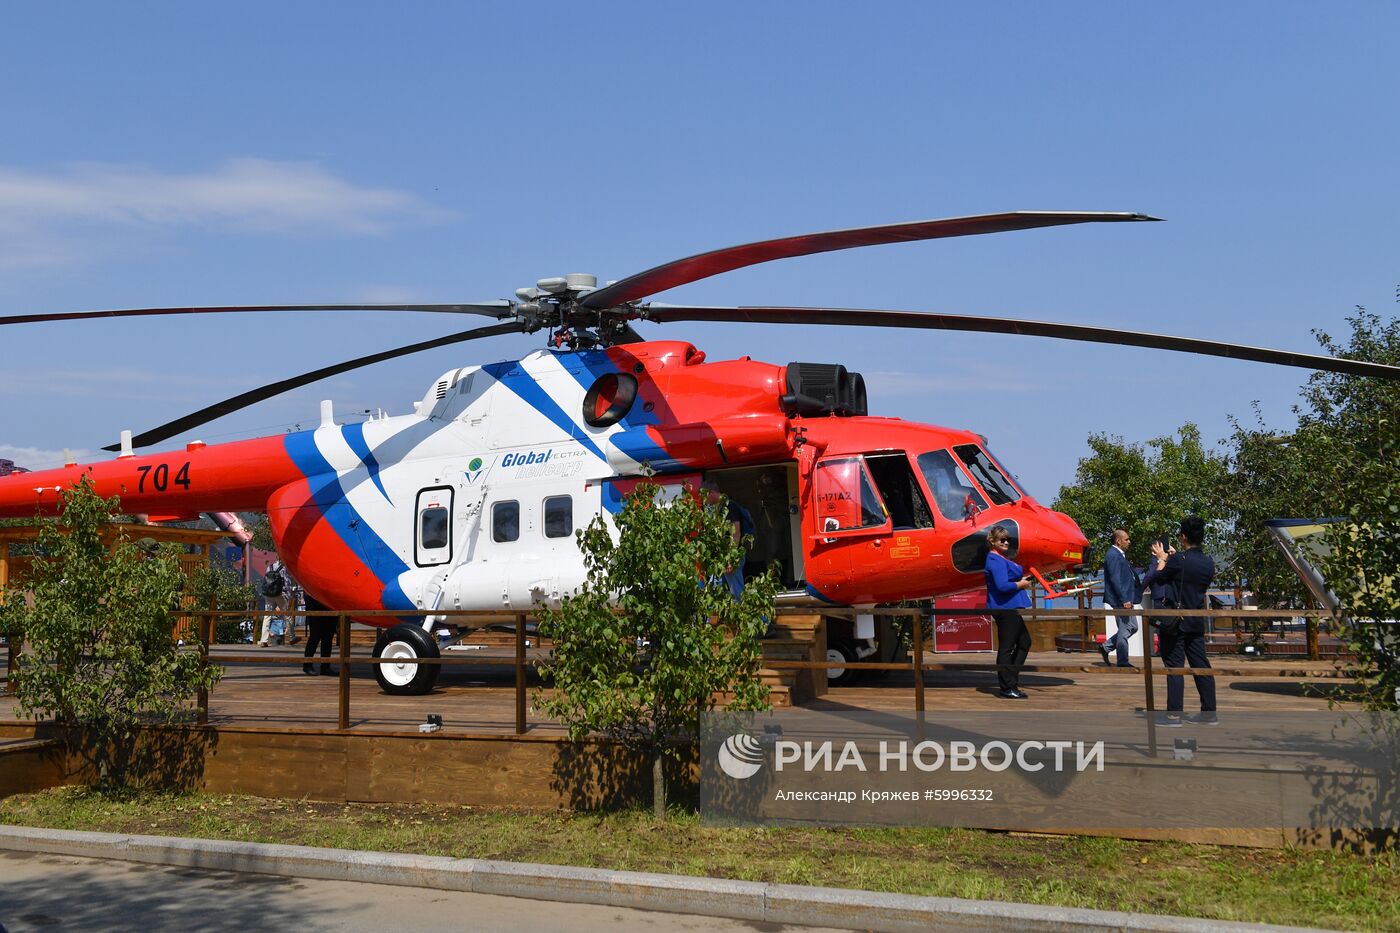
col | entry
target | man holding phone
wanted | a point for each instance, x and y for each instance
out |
(1188, 575)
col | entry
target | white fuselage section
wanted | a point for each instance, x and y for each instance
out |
(473, 501)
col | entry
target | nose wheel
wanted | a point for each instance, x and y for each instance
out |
(841, 652)
(405, 644)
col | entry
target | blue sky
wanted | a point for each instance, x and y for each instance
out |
(170, 154)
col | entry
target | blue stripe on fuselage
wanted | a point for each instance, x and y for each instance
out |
(587, 366)
(354, 435)
(638, 445)
(511, 376)
(352, 529)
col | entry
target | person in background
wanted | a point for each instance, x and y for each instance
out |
(1187, 574)
(1006, 596)
(277, 594)
(1121, 587)
(1155, 588)
(320, 633)
(742, 523)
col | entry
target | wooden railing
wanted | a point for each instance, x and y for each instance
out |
(916, 665)
(208, 620)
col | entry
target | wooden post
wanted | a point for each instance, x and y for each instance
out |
(11, 648)
(1314, 649)
(520, 673)
(1083, 623)
(344, 648)
(205, 630)
(918, 639)
(1150, 704)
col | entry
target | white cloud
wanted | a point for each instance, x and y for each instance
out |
(38, 209)
(37, 458)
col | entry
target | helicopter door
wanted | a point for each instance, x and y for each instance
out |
(848, 503)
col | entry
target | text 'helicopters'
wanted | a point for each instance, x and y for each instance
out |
(472, 500)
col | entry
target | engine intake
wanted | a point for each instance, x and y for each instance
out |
(823, 389)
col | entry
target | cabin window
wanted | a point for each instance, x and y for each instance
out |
(558, 516)
(432, 528)
(986, 472)
(894, 477)
(505, 522)
(433, 541)
(952, 490)
(846, 497)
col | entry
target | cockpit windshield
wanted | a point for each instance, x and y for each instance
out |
(984, 468)
(952, 491)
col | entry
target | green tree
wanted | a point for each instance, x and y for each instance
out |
(219, 586)
(101, 656)
(1341, 460)
(1269, 476)
(641, 650)
(261, 530)
(1350, 428)
(1145, 488)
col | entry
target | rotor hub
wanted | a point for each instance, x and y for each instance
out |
(555, 303)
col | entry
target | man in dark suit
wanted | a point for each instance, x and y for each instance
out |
(1121, 588)
(1187, 574)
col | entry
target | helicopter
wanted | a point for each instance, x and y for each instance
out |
(471, 500)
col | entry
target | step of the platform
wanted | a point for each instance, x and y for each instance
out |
(779, 697)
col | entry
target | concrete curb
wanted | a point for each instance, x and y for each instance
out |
(714, 897)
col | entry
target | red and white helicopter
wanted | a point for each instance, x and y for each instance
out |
(471, 501)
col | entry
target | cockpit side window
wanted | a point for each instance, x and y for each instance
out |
(846, 497)
(952, 491)
(895, 480)
(982, 467)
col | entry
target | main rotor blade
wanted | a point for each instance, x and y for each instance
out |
(253, 396)
(993, 325)
(497, 309)
(704, 265)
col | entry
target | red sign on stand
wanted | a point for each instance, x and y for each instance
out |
(960, 632)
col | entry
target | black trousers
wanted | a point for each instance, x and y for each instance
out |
(1013, 644)
(1179, 649)
(322, 633)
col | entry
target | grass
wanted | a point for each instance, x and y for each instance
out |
(1286, 886)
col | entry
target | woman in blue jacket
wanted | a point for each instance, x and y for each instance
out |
(1006, 595)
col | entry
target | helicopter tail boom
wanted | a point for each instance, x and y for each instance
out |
(238, 476)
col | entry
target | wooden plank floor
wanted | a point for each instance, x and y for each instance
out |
(480, 699)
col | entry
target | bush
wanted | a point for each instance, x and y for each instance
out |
(641, 650)
(101, 657)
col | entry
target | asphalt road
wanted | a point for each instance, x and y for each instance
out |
(62, 893)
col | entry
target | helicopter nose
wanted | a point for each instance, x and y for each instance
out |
(1056, 543)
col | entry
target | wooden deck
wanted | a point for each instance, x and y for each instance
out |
(480, 699)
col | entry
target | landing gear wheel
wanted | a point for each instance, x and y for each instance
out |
(405, 644)
(840, 652)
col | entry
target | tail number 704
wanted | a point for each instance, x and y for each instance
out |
(159, 475)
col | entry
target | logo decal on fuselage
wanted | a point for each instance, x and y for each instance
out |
(473, 470)
(529, 464)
